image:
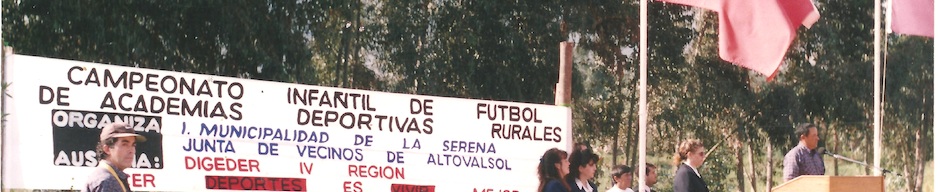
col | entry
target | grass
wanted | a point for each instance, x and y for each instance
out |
(928, 176)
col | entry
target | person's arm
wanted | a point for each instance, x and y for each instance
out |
(554, 186)
(790, 168)
(681, 182)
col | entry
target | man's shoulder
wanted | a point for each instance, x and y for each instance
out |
(615, 189)
(685, 172)
(794, 152)
(100, 177)
(554, 185)
(99, 174)
(682, 168)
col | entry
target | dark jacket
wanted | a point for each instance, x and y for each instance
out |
(574, 186)
(554, 186)
(687, 181)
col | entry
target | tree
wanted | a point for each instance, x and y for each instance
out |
(509, 51)
(908, 84)
(485, 50)
(257, 39)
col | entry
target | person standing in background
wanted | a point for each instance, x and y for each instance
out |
(803, 159)
(117, 146)
(552, 167)
(622, 177)
(650, 178)
(580, 146)
(690, 154)
(581, 170)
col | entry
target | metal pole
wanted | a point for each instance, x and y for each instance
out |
(563, 87)
(7, 53)
(641, 144)
(936, 86)
(876, 124)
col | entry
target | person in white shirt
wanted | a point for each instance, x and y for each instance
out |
(622, 178)
(650, 178)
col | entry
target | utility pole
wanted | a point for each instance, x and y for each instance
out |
(563, 87)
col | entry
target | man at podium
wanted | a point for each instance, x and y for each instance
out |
(804, 159)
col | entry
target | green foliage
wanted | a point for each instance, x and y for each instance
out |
(476, 49)
(3, 89)
(908, 87)
(508, 50)
(251, 39)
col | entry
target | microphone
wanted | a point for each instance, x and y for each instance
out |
(822, 150)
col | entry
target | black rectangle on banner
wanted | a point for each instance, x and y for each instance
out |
(75, 135)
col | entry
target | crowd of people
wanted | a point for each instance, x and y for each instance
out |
(560, 171)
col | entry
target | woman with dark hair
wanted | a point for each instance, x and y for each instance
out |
(690, 154)
(582, 168)
(552, 167)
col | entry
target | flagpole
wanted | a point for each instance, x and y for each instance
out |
(936, 86)
(642, 88)
(888, 12)
(876, 124)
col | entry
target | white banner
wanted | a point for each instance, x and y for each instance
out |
(219, 133)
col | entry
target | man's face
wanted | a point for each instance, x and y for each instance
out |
(122, 153)
(811, 139)
(624, 180)
(651, 178)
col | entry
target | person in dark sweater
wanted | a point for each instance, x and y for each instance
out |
(582, 168)
(690, 155)
(552, 167)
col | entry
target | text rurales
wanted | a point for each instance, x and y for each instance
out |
(517, 123)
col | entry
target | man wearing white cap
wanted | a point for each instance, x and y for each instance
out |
(116, 148)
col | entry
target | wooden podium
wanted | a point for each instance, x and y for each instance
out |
(822, 183)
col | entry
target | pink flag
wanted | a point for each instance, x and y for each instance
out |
(913, 17)
(756, 34)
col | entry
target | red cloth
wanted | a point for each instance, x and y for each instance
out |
(912, 17)
(756, 34)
